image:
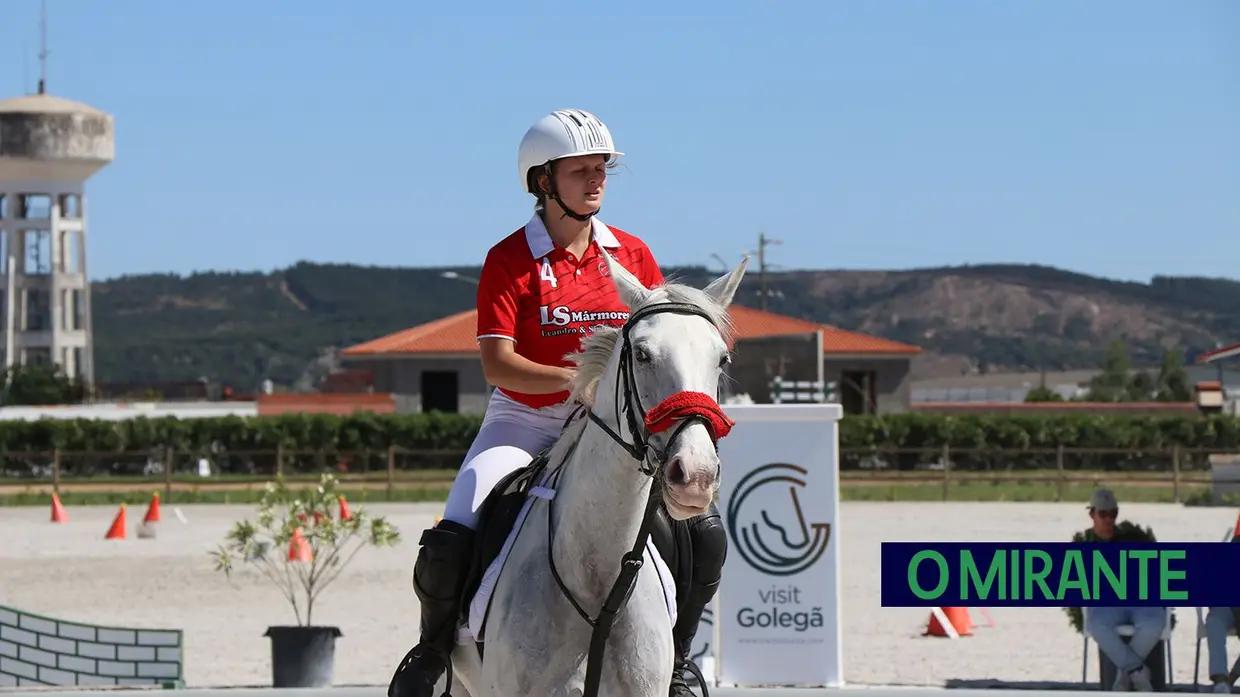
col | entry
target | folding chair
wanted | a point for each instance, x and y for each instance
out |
(1201, 626)
(1127, 630)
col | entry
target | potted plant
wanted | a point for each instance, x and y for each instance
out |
(302, 540)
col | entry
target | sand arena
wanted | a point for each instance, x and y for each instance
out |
(69, 571)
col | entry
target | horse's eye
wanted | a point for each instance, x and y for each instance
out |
(725, 360)
(641, 354)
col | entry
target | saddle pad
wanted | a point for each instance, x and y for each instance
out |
(480, 603)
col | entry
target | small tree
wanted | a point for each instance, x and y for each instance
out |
(1042, 393)
(1172, 384)
(310, 516)
(1111, 385)
(39, 385)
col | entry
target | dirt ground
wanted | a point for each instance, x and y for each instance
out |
(69, 571)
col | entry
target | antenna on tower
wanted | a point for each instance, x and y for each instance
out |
(43, 53)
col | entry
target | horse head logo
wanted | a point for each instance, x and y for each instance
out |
(782, 552)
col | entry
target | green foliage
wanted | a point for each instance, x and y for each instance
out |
(220, 435)
(1026, 441)
(1114, 382)
(1043, 394)
(39, 385)
(1172, 384)
(1126, 531)
(1119, 383)
(1038, 432)
(332, 541)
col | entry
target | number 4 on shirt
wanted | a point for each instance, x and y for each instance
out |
(547, 274)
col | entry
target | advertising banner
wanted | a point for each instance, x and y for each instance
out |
(778, 609)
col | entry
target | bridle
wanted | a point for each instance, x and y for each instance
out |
(682, 407)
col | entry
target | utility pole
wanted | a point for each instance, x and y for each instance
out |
(43, 52)
(763, 241)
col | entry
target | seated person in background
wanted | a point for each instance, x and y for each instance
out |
(1220, 623)
(1101, 622)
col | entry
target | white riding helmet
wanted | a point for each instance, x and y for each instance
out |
(562, 133)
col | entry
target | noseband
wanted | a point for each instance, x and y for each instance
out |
(685, 407)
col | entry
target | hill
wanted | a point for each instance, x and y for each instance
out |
(239, 328)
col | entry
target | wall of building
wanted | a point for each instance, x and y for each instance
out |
(403, 376)
(892, 379)
(755, 362)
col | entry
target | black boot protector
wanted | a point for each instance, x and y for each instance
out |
(708, 549)
(438, 577)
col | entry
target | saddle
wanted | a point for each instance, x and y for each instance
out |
(502, 507)
(496, 518)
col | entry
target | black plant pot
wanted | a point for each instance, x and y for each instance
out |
(302, 656)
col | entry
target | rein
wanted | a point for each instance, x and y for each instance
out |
(685, 407)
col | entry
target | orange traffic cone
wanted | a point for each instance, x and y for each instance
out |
(957, 617)
(58, 510)
(345, 513)
(117, 531)
(298, 548)
(152, 510)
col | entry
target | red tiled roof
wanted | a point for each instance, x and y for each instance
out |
(1219, 354)
(456, 334)
(452, 334)
(751, 324)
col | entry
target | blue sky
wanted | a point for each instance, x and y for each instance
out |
(1102, 137)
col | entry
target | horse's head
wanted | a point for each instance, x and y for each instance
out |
(657, 380)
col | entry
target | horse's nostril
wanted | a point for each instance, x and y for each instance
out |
(676, 473)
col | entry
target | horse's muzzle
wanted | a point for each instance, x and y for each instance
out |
(690, 479)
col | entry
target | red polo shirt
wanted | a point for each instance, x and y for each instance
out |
(546, 300)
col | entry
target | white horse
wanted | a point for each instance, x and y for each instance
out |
(652, 421)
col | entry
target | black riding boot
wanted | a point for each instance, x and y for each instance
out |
(709, 549)
(438, 577)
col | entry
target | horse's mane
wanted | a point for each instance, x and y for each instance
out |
(596, 349)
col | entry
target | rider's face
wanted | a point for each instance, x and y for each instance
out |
(581, 182)
(1104, 522)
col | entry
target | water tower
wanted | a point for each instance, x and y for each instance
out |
(49, 148)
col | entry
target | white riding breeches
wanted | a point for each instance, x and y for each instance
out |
(510, 436)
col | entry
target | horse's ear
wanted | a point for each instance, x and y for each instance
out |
(632, 292)
(723, 288)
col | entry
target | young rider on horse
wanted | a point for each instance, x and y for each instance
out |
(542, 288)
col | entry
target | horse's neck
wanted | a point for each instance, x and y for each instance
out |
(600, 502)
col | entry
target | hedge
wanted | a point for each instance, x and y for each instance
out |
(453, 432)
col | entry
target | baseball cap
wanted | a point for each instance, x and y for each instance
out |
(1103, 500)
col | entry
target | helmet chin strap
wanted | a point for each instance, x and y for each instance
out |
(570, 213)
